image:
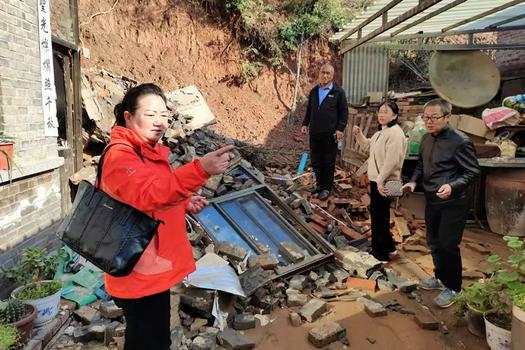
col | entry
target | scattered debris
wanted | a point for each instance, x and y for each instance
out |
(314, 309)
(326, 334)
(244, 321)
(426, 320)
(373, 308)
(371, 340)
(295, 319)
(233, 340)
(287, 259)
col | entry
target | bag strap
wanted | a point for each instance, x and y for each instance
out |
(101, 160)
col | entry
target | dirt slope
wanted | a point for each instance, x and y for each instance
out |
(175, 43)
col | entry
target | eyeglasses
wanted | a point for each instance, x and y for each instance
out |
(431, 118)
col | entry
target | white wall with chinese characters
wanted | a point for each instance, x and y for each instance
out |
(49, 106)
(24, 87)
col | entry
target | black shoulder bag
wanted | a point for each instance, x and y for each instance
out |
(110, 234)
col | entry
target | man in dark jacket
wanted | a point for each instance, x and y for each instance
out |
(447, 165)
(325, 119)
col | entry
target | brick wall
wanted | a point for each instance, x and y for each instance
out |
(30, 204)
(511, 62)
(20, 85)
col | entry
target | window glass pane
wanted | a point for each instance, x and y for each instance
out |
(221, 230)
(261, 223)
(252, 228)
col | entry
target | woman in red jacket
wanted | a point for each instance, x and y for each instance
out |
(149, 184)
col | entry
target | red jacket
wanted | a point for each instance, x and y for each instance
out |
(151, 186)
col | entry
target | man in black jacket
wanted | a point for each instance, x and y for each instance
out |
(325, 119)
(447, 165)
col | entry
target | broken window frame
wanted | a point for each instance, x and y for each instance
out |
(322, 250)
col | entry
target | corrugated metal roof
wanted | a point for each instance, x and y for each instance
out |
(433, 25)
(365, 69)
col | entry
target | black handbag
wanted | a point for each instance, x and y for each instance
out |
(110, 234)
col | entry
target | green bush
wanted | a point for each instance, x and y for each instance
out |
(309, 19)
(278, 27)
(249, 71)
(8, 336)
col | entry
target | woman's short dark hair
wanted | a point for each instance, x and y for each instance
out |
(394, 108)
(131, 98)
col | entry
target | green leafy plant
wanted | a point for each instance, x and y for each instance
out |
(9, 337)
(476, 296)
(249, 71)
(519, 300)
(38, 292)
(34, 267)
(12, 310)
(504, 287)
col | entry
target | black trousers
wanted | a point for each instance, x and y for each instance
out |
(147, 322)
(382, 241)
(445, 223)
(323, 153)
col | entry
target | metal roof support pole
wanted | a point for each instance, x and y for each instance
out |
(484, 14)
(455, 47)
(440, 34)
(427, 17)
(507, 21)
(371, 19)
(398, 20)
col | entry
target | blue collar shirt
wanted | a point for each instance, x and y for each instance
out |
(323, 92)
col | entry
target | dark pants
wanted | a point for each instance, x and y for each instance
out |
(147, 322)
(323, 153)
(382, 241)
(445, 223)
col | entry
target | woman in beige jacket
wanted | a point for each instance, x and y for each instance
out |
(387, 149)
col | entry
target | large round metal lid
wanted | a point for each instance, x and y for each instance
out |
(464, 78)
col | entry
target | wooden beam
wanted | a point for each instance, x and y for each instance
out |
(483, 14)
(396, 21)
(370, 19)
(427, 17)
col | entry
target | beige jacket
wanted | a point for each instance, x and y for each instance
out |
(387, 149)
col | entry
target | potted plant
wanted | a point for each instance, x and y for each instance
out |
(6, 151)
(8, 337)
(518, 321)
(20, 315)
(474, 302)
(33, 273)
(505, 285)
